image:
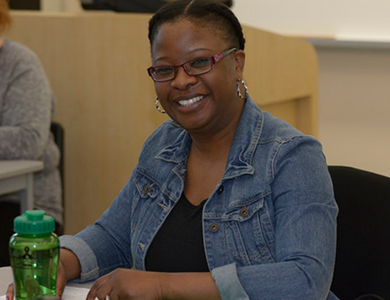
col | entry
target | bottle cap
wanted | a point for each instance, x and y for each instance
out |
(34, 222)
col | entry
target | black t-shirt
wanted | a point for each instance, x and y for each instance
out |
(178, 245)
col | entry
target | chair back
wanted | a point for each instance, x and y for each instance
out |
(363, 234)
(59, 138)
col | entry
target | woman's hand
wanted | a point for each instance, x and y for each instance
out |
(68, 268)
(62, 279)
(10, 292)
(128, 284)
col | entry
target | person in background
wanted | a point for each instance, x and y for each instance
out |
(26, 107)
(226, 201)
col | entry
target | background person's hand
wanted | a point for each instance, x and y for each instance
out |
(128, 284)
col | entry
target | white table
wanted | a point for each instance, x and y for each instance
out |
(17, 175)
(6, 278)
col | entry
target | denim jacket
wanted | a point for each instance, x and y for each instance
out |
(269, 227)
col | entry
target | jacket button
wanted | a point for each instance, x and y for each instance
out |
(147, 189)
(220, 189)
(244, 212)
(214, 227)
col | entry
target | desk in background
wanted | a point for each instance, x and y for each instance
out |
(17, 175)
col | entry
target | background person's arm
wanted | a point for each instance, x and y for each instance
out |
(26, 104)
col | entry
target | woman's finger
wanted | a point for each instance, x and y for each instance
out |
(10, 292)
(61, 281)
(100, 289)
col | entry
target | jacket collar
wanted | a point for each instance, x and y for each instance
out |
(243, 147)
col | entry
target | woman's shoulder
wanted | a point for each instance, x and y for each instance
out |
(277, 129)
(18, 54)
(282, 141)
(269, 127)
(16, 48)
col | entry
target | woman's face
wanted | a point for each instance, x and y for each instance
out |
(205, 103)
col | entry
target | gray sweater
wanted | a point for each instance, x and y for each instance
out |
(26, 108)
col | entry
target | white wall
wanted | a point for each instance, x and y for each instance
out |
(354, 107)
(354, 83)
(361, 19)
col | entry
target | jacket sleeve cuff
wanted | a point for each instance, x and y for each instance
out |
(85, 255)
(228, 284)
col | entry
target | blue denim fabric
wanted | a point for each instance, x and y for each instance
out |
(271, 232)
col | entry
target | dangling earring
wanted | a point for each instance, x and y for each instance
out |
(239, 90)
(157, 107)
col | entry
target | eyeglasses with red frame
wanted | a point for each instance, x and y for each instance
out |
(194, 67)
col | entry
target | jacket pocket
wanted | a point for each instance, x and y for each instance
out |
(249, 231)
(146, 186)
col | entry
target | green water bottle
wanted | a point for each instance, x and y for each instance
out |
(34, 255)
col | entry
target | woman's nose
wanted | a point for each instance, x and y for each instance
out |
(182, 80)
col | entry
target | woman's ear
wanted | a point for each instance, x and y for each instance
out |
(240, 63)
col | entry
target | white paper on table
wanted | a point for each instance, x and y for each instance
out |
(74, 293)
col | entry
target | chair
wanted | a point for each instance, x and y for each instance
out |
(363, 234)
(59, 138)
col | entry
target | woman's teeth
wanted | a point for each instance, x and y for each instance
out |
(190, 101)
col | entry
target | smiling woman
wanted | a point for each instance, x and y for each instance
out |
(182, 41)
(226, 201)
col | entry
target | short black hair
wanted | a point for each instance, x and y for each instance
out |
(202, 12)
